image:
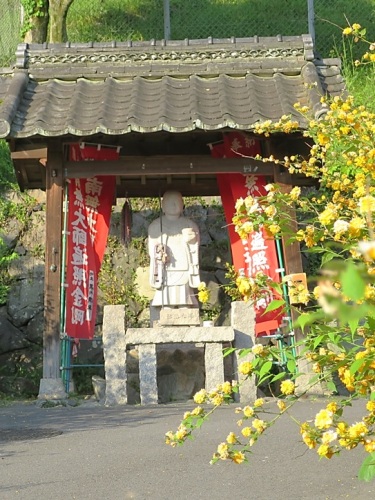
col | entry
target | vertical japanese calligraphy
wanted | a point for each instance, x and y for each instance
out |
(90, 202)
(258, 252)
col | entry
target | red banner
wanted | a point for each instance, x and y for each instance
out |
(257, 253)
(90, 203)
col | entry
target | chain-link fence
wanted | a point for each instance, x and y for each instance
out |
(107, 20)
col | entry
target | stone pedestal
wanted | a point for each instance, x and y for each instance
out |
(147, 374)
(243, 323)
(114, 349)
(147, 338)
(51, 389)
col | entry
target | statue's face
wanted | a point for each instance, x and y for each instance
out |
(172, 203)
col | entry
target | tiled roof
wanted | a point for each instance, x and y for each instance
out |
(116, 88)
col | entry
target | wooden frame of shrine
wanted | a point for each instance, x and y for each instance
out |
(162, 103)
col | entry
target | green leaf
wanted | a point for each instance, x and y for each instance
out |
(266, 367)
(291, 365)
(353, 285)
(331, 386)
(275, 304)
(356, 365)
(278, 377)
(367, 469)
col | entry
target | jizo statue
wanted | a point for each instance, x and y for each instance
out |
(173, 242)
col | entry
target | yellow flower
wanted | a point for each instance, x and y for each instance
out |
(258, 403)
(247, 431)
(332, 407)
(238, 457)
(329, 436)
(273, 228)
(181, 432)
(231, 438)
(369, 445)
(281, 405)
(200, 397)
(295, 193)
(323, 419)
(325, 451)
(222, 450)
(198, 410)
(357, 430)
(309, 441)
(203, 296)
(287, 387)
(270, 211)
(217, 399)
(258, 349)
(259, 425)
(370, 406)
(248, 411)
(366, 204)
(226, 387)
(347, 31)
(246, 368)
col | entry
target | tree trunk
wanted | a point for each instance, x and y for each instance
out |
(58, 10)
(39, 25)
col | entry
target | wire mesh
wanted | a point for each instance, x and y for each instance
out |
(107, 20)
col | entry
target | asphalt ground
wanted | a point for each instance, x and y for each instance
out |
(117, 453)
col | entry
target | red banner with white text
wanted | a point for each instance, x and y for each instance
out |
(90, 203)
(258, 252)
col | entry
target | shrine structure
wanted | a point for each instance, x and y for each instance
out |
(160, 104)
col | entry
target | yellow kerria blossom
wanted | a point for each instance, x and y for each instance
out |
(181, 432)
(217, 399)
(222, 450)
(231, 438)
(258, 349)
(270, 211)
(370, 406)
(369, 445)
(273, 228)
(329, 436)
(323, 419)
(287, 387)
(226, 387)
(200, 397)
(325, 451)
(281, 405)
(238, 457)
(259, 425)
(198, 410)
(359, 429)
(366, 204)
(248, 411)
(309, 441)
(246, 368)
(332, 407)
(258, 403)
(247, 431)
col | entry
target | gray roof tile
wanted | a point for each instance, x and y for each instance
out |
(84, 89)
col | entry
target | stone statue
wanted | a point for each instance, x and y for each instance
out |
(173, 243)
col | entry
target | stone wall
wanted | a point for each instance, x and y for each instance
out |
(21, 319)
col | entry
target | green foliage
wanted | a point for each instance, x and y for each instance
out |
(32, 9)
(117, 283)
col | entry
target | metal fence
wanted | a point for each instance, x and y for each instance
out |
(106, 20)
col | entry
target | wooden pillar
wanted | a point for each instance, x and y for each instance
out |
(51, 386)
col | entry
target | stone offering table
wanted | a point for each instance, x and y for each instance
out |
(146, 339)
(117, 339)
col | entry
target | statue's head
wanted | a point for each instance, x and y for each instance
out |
(172, 203)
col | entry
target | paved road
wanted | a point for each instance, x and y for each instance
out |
(118, 453)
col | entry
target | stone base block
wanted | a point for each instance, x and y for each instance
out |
(51, 389)
(183, 316)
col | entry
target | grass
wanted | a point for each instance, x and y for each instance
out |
(143, 19)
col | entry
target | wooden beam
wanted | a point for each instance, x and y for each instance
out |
(29, 154)
(166, 164)
(52, 286)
